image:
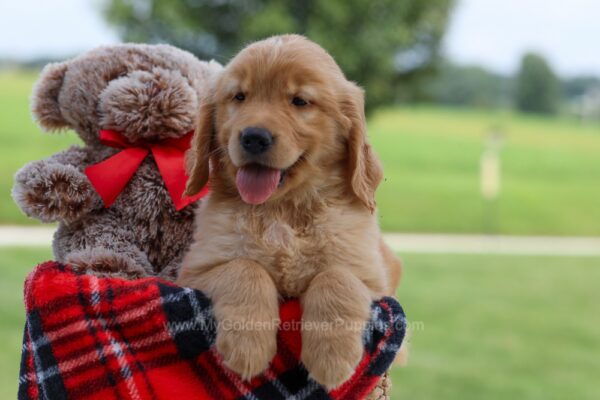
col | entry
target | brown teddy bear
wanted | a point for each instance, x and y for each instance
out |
(118, 197)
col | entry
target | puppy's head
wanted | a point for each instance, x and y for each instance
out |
(282, 116)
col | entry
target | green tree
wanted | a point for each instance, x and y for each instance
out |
(574, 88)
(537, 87)
(471, 86)
(384, 45)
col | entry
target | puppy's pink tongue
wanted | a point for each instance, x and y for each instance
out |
(257, 183)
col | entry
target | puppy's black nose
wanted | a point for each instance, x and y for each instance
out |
(256, 140)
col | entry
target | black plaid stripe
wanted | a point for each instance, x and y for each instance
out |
(176, 300)
(98, 343)
(190, 320)
(148, 365)
(201, 372)
(48, 375)
(24, 371)
(123, 339)
(63, 302)
(291, 384)
(388, 324)
(192, 327)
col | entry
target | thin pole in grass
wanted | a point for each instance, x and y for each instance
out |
(490, 178)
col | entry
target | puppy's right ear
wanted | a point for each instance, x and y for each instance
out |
(364, 166)
(198, 157)
(45, 106)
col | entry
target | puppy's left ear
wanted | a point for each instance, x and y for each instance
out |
(364, 166)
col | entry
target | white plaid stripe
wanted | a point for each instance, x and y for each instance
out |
(122, 318)
(398, 320)
(277, 385)
(48, 373)
(307, 390)
(24, 378)
(70, 364)
(92, 356)
(115, 347)
(43, 341)
(79, 326)
(197, 322)
(200, 315)
(390, 348)
(42, 375)
(304, 393)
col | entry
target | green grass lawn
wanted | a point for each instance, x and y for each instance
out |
(551, 167)
(501, 327)
(485, 327)
(21, 140)
(15, 264)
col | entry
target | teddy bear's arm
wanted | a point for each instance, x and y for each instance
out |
(56, 189)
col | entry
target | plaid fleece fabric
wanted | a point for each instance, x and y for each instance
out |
(107, 338)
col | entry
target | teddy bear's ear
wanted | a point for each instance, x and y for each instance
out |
(44, 102)
(214, 67)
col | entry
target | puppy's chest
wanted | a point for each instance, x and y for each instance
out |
(292, 255)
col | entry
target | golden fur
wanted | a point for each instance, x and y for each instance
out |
(316, 237)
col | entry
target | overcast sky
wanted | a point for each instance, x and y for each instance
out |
(496, 32)
(490, 32)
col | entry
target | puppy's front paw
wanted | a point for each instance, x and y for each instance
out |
(331, 357)
(246, 348)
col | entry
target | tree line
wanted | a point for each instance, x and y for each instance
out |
(535, 88)
(390, 47)
(387, 46)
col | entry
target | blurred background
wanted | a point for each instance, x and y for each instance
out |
(486, 114)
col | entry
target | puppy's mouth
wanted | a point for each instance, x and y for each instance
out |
(256, 183)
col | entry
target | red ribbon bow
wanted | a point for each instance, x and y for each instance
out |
(110, 176)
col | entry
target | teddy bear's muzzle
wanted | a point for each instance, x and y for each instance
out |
(149, 106)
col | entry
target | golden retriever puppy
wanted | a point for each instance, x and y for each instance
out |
(291, 211)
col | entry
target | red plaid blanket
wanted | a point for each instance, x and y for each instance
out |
(103, 338)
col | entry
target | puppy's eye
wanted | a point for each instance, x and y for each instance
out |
(239, 97)
(299, 102)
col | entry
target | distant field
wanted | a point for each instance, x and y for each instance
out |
(21, 140)
(551, 167)
(484, 327)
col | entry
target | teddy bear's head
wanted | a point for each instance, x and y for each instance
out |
(146, 92)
